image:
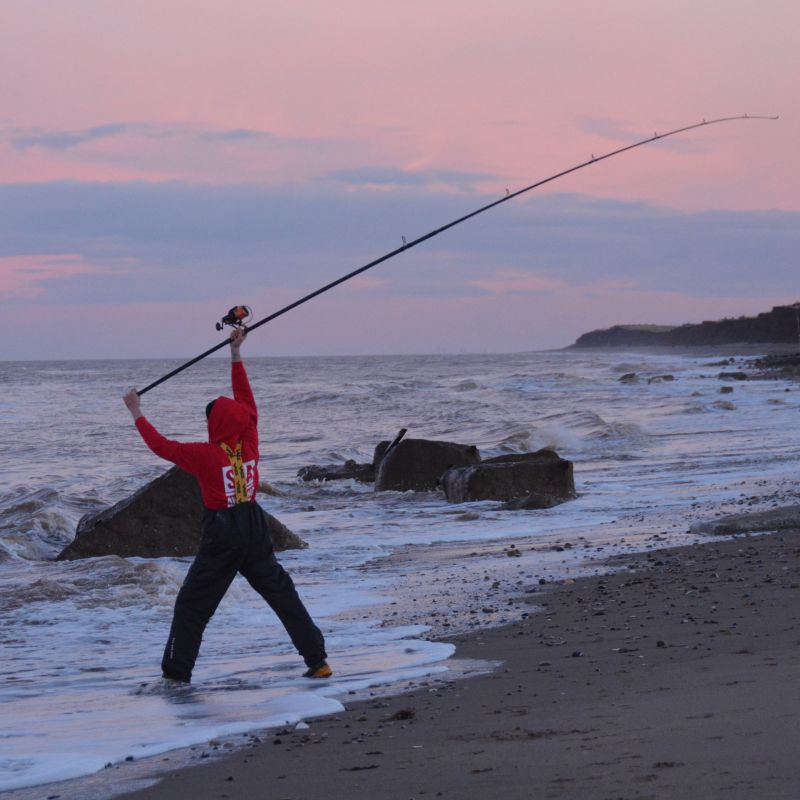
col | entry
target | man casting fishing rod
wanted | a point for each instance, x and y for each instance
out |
(235, 537)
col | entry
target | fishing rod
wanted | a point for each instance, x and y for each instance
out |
(237, 316)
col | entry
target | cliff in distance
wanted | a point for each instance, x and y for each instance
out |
(779, 326)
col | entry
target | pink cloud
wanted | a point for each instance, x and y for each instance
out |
(512, 282)
(21, 277)
(469, 90)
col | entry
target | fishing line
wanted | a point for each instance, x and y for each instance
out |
(424, 238)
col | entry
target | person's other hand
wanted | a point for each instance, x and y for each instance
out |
(132, 402)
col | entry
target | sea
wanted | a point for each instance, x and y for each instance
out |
(388, 576)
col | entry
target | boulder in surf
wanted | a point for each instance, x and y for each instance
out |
(530, 480)
(418, 464)
(160, 519)
(350, 470)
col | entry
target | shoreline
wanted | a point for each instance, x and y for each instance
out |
(674, 677)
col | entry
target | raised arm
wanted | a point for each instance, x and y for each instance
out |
(180, 453)
(237, 337)
(240, 383)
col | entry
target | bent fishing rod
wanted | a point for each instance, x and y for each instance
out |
(238, 316)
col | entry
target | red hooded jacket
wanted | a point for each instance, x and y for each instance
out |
(231, 421)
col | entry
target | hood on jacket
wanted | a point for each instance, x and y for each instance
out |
(227, 421)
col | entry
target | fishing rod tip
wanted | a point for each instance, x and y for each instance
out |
(760, 116)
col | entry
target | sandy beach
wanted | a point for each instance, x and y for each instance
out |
(675, 677)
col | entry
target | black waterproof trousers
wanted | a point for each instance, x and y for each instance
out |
(235, 540)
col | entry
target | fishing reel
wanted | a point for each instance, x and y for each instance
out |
(236, 317)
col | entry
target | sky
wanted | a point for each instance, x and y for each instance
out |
(163, 161)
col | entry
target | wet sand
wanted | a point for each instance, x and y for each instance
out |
(676, 677)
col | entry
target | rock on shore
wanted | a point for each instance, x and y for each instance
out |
(784, 518)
